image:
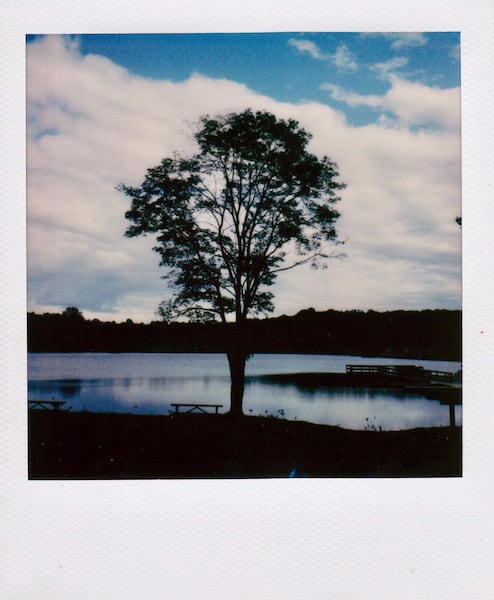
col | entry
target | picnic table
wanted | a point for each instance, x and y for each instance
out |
(196, 407)
(46, 404)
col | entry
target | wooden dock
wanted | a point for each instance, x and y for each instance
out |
(405, 373)
(435, 385)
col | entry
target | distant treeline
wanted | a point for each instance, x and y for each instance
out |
(426, 334)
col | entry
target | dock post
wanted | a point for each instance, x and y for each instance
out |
(452, 422)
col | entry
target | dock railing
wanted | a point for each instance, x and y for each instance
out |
(441, 376)
(401, 372)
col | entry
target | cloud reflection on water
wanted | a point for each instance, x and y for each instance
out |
(352, 408)
(149, 383)
(348, 407)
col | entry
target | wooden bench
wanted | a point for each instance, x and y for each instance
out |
(196, 407)
(46, 404)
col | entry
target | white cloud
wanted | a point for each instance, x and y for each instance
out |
(92, 126)
(410, 103)
(385, 68)
(353, 99)
(343, 59)
(308, 47)
(455, 52)
(401, 40)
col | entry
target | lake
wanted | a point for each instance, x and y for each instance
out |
(149, 383)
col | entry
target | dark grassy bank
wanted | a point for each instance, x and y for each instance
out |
(426, 334)
(120, 446)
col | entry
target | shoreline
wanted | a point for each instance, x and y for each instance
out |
(83, 445)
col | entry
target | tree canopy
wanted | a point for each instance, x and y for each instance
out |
(253, 201)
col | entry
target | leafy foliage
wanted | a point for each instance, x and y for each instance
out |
(250, 203)
(72, 312)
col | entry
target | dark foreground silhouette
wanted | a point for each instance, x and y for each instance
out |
(426, 334)
(65, 445)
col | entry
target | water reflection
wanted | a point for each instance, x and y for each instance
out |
(352, 408)
(149, 384)
(70, 388)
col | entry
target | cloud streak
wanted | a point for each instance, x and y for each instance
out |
(384, 69)
(403, 40)
(343, 59)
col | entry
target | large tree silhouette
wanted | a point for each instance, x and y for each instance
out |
(252, 202)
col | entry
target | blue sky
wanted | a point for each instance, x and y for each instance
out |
(101, 109)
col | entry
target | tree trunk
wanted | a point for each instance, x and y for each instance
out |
(237, 360)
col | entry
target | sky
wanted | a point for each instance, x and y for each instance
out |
(101, 109)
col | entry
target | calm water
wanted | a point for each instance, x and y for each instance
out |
(149, 383)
